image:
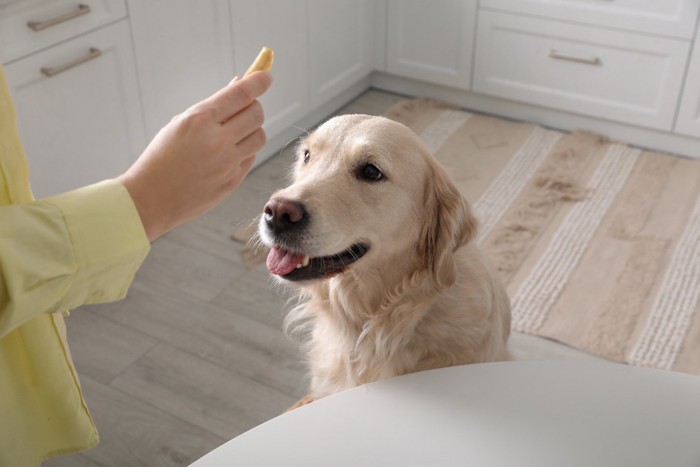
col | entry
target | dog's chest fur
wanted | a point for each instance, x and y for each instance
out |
(356, 339)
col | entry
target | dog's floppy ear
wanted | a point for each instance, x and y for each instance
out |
(449, 225)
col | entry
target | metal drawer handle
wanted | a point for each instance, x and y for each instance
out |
(588, 61)
(40, 25)
(53, 71)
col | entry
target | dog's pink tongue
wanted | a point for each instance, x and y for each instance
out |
(282, 262)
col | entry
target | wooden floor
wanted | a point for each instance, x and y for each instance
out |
(195, 354)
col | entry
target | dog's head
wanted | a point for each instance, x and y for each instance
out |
(365, 193)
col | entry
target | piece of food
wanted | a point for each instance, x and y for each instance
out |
(262, 62)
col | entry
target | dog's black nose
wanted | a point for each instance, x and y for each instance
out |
(282, 215)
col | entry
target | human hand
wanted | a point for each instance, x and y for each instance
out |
(199, 157)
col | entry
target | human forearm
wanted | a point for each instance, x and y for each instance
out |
(76, 248)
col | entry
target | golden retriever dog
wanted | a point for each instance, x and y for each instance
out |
(376, 240)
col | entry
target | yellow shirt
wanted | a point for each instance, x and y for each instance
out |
(56, 254)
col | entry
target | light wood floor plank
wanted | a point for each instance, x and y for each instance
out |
(201, 274)
(205, 394)
(208, 331)
(75, 460)
(102, 348)
(134, 433)
(257, 296)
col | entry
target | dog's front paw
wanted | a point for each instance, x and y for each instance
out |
(303, 401)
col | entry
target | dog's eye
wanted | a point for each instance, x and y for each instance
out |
(307, 155)
(370, 173)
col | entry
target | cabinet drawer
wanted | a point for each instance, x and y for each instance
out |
(30, 25)
(674, 18)
(630, 78)
(83, 124)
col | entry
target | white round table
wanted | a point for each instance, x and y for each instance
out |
(496, 414)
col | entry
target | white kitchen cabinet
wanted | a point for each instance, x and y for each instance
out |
(672, 18)
(84, 124)
(620, 68)
(183, 52)
(604, 73)
(688, 122)
(341, 45)
(281, 25)
(431, 40)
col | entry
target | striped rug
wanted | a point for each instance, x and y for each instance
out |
(598, 242)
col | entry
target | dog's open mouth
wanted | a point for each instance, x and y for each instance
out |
(300, 267)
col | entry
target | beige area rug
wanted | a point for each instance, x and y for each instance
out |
(597, 242)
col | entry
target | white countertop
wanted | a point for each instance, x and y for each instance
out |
(498, 414)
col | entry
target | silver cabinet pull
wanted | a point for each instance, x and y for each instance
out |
(571, 58)
(53, 71)
(40, 25)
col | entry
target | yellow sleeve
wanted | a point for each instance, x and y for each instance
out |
(61, 252)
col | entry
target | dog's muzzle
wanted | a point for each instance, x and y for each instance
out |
(285, 221)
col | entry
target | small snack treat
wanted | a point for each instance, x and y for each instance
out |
(262, 62)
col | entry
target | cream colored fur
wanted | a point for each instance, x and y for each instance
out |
(423, 296)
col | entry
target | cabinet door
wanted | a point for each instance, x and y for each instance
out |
(688, 122)
(431, 40)
(183, 51)
(84, 124)
(341, 45)
(280, 25)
